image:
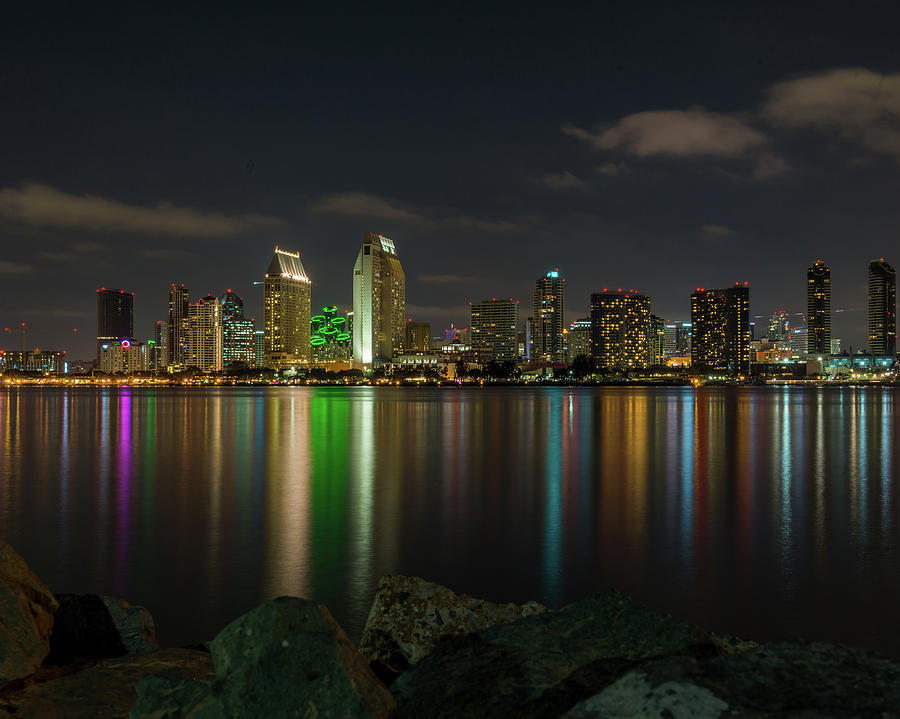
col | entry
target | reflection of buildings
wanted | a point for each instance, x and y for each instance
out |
(494, 330)
(620, 328)
(238, 333)
(379, 302)
(818, 308)
(882, 308)
(115, 316)
(547, 319)
(286, 307)
(721, 324)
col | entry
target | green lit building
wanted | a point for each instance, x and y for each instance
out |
(329, 338)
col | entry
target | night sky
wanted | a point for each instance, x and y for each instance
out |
(660, 147)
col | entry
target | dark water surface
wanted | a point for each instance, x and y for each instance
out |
(759, 512)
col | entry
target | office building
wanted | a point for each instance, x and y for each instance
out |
(818, 308)
(548, 318)
(418, 338)
(176, 352)
(882, 308)
(721, 330)
(42, 361)
(620, 329)
(124, 357)
(657, 351)
(259, 349)
(286, 308)
(379, 302)
(161, 338)
(238, 333)
(115, 316)
(205, 334)
(779, 331)
(494, 330)
(678, 339)
(580, 338)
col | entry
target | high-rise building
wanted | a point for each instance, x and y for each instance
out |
(205, 334)
(286, 303)
(418, 338)
(580, 338)
(379, 302)
(657, 351)
(882, 308)
(329, 340)
(161, 338)
(115, 317)
(721, 330)
(494, 329)
(799, 342)
(237, 333)
(259, 349)
(620, 329)
(818, 308)
(177, 328)
(124, 357)
(678, 339)
(779, 331)
(548, 318)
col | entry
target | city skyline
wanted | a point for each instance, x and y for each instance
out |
(684, 147)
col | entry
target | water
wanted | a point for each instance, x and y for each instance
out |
(762, 512)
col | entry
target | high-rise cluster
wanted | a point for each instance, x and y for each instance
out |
(379, 302)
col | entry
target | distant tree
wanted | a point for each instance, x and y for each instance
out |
(582, 366)
(462, 369)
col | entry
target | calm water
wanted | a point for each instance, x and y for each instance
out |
(760, 512)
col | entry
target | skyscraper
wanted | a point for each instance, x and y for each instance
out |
(286, 307)
(580, 338)
(379, 302)
(657, 350)
(548, 318)
(418, 338)
(882, 308)
(721, 329)
(494, 326)
(620, 329)
(161, 338)
(818, 309)
(237, 332)
(115, 317)
(177, 328)
(204, 343)
(779, 330)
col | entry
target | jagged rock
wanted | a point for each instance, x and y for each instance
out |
(91, 625)
(542, 665)
(105, 690)
(287, 657)
(410, 617)
(26, 617)
(808, 680)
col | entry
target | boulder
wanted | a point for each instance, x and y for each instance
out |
(26, 617)
(784, 678)
(286, 657)
(91, 625)
(105, 690)
(410, 617)
(542, 665)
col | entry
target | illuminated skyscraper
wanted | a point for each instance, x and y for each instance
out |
(678, 339)
(818, 309)
(620, 329)
(882, 308)
(494, 329)
(177, 328)
(721, 330)
(237, 333)
(379, 302)
(286, 303)
(580, 338)
(657, 351)
(205, 334)
(161, 339)
(780, 328)
(115, 317)
(548, 318)
(418, 338)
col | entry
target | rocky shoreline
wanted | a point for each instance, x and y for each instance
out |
(425, 652)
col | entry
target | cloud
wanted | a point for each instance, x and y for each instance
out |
(14, 268)
(854, 103)
(167, 255)
(361, 204)
(37, 204)
(445, 279)
(611, 169)
(564, 180)
(677, 133)
(716, 231)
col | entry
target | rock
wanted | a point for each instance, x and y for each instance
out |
(542, 665)
(287, 657)
(105, 690)
(410, 617)
(26, 617)
(809, 680)
(91, 625)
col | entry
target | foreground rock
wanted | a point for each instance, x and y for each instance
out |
(809, 680)
(91, 625)
(26, 617)
(103, 691)
(542, 665)
(410, 617)
(287, 657)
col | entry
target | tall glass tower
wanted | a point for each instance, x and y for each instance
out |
(379, 302)
(286, 309)
(721, 329)
(818, 309)
(548, 318)
(177, 328)
(882, 308)
(115, 316)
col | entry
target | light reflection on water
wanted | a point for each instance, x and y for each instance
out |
(760, 512)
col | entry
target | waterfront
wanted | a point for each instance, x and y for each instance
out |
(763, 512)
